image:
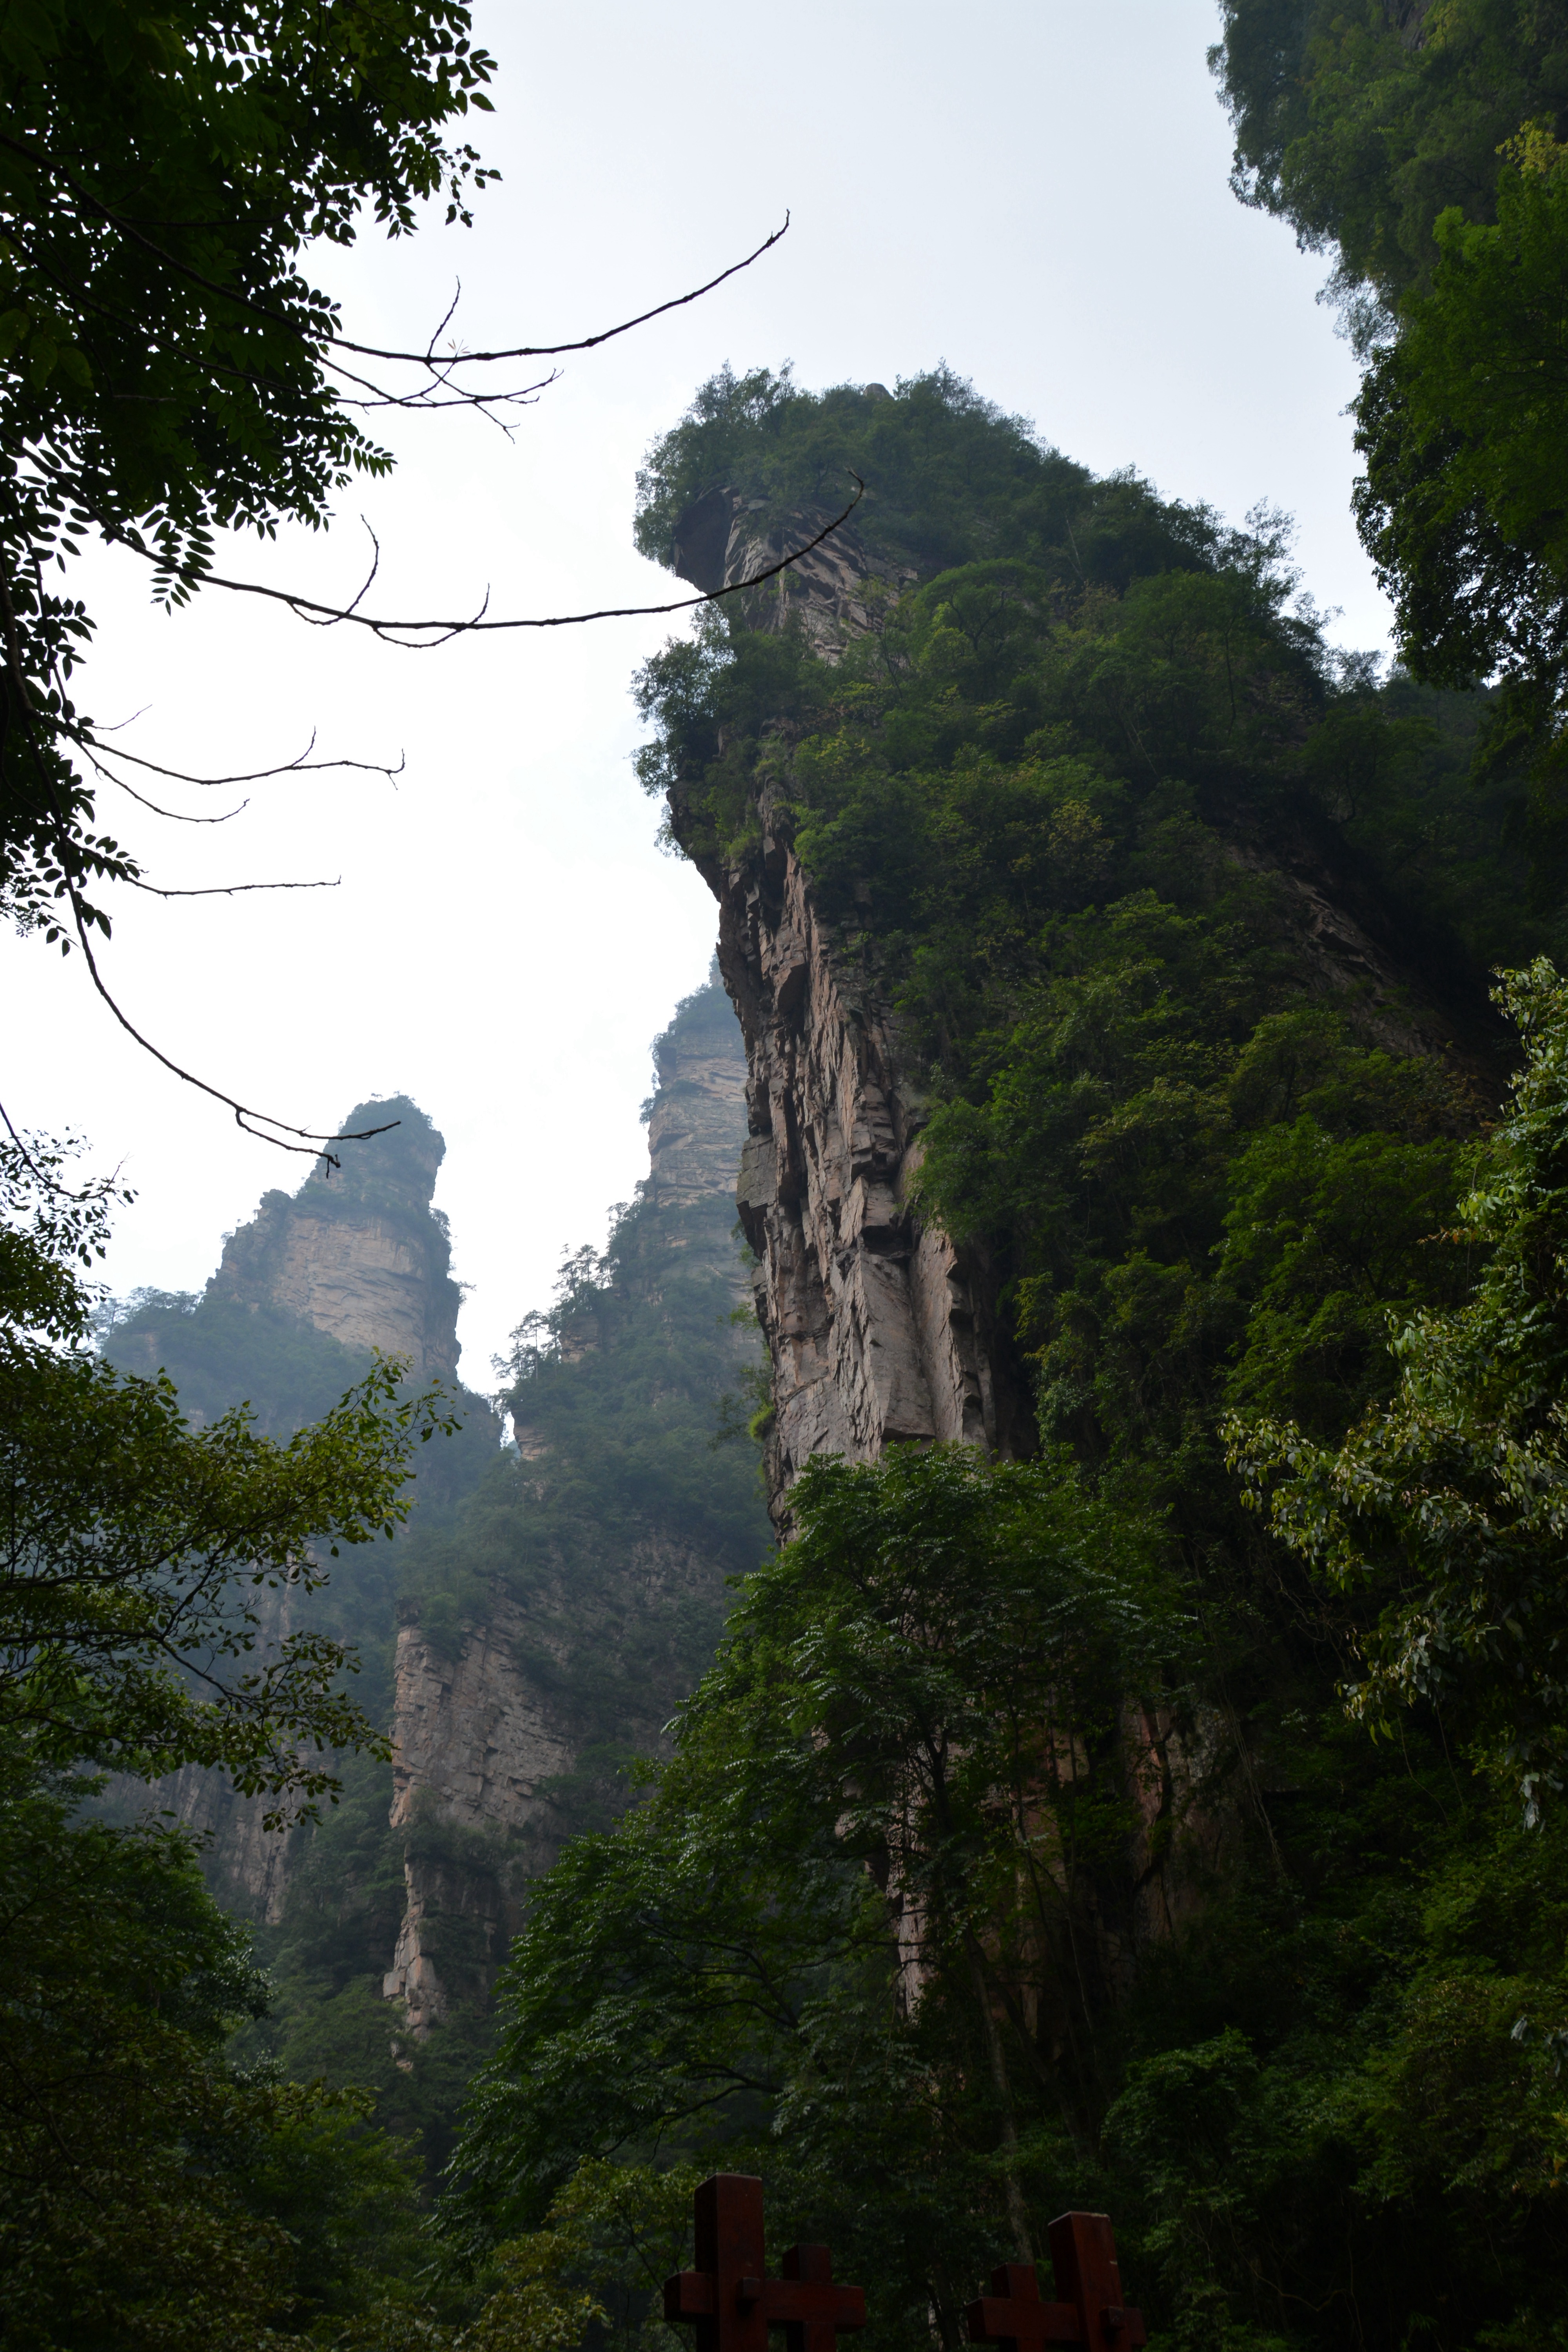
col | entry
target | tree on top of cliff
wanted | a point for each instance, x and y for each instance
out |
(950, 477)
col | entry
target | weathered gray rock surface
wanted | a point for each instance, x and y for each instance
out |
(839, 589)
(877, 1328)
(362, 1255)
(359, 1252)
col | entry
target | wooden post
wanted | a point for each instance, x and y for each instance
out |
(1090, 2314)
(729, 2297)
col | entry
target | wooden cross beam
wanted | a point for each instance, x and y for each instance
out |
(734, 2303)
(1091, 2315)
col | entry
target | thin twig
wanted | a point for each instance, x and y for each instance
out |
(308, 1148)
(441, 632)
(427, 358)
(303, 766)
(232, 889)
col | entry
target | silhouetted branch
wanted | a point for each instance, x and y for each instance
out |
(321, 337)
(441, 632)
(312, 1145)
(88, 740)
(230, 889)
(175, 817)
(557, 350)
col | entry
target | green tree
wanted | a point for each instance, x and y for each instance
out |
(1448, 1504)
(166, 369)
(153, 2195)
(1464, 505)
(826, 1936)
(143, 1563)
(1361, 125)
(1377, 129)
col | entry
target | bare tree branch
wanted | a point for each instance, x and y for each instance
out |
(393, 632)
(231, 889)
(43, 162)
(90, 739)
(313, 1145)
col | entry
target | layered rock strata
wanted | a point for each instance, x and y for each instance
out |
(877, 1328)
(836, 590)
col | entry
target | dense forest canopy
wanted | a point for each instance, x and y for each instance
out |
(1423, 144)
(1361, 125)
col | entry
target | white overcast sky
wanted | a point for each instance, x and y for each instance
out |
(1034, 191)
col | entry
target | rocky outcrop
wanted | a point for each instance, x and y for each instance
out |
(697, 1117)
(839, 589)
(474, 1736)
(358, 1251)
(361, 1256)
(878, 1329)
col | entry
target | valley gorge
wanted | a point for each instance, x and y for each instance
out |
(491, 1669)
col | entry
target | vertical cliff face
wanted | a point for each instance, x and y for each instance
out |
(353, 1261)
(359, 1252)
(836, 590)
(585, 1590)
(877, 1327)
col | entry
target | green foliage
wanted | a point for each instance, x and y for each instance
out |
(1461, 420)
(1362, 124)
(617, 1522)
(609, 2240)
(139, 1553)
(164, 365)
(865, 1935)
(867, 1800)
(1295, 2020)
(158, 2195)
(1379, 129)
(602, 1544)
(154, 2195)
(220, 1353)
(328, 2019)
(1448, 1504)
(950, 477)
